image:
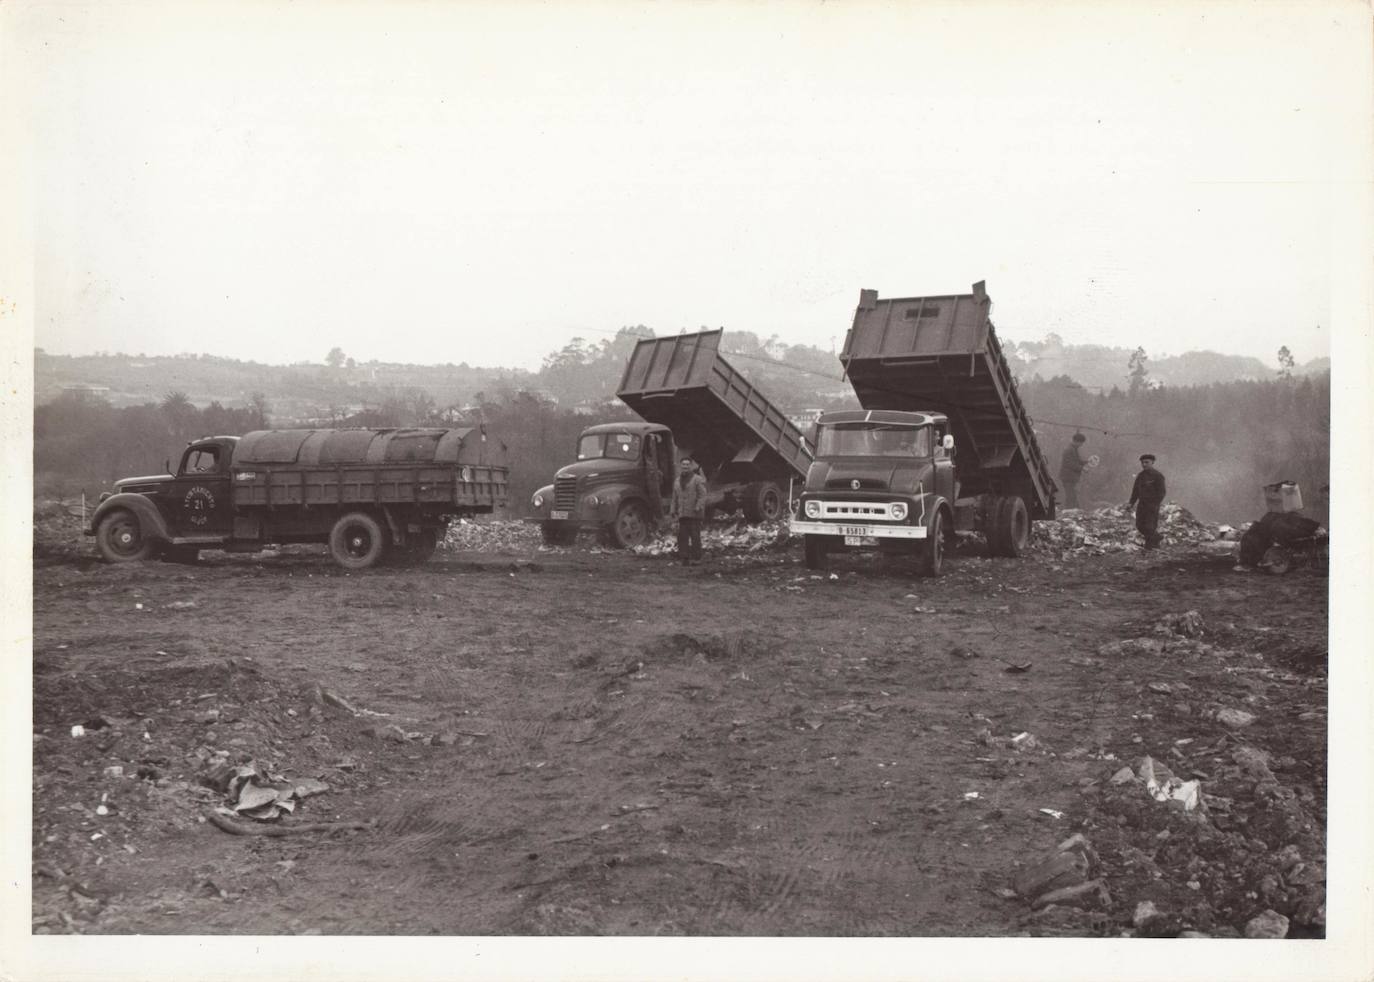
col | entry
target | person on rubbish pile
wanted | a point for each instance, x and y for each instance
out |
(1147, 494)
(689, 508)
(1071, 468)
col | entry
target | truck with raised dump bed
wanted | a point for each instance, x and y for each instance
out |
(692, 402)
(371, 495)
(942, 443)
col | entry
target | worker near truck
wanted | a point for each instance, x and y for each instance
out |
(689, 508)
(1147, 494)
(1071, 468)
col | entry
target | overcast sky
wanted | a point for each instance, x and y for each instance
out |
(472, 182)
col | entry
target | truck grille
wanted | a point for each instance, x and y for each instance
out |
(878, 511)
(565, 493)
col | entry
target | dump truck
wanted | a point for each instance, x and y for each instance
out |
(692, 402)
(369, 494)
(942, 444)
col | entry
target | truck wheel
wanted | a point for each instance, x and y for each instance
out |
(558, 535)
(631, 526)
(357, 541)
(931, 555)
(120, 538)
(1277, 560)
(1011, 528)
(816, 551)
(763, 502)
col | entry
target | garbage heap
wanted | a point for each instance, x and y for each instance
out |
(515, 536)
(1095, 533)
(736, 537)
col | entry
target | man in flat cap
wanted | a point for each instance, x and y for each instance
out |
(1071, 468)
(1147, 494)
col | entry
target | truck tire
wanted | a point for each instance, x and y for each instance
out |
(358, 541)
(630, 527)
(1011, 528)
(763, 502)
(816, 551)
(558, 535)
(930, 558)
(120, 538)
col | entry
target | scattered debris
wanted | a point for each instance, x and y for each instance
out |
(1235, 717)
(1052, 813)
(1268, 925)
(1163, 786)
(1063, 876)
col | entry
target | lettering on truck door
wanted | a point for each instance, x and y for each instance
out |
(201, 497)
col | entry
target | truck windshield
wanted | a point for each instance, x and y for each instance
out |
(872, 440)
(621, 446)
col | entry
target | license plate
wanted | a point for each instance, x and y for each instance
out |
(850, 531)
(860, 540)
(556, 515)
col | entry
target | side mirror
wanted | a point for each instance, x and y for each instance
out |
(167, 465)
(948, 442)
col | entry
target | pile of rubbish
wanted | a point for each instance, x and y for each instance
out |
(498, 535)
(505, 535)
(1110, 530)
(736, 537)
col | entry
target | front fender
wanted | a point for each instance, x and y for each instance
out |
(154, 525)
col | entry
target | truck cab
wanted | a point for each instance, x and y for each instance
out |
(621, 484)
(169, 513)
(882, 479)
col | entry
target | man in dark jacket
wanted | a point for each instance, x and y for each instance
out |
(1071, 468)
(689, 508)
(1147, 494)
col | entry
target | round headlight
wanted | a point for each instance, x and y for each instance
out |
(813, 508)
(593, 500)
(538, 501)
(899, 510)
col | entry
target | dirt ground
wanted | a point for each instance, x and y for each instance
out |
(573, 742)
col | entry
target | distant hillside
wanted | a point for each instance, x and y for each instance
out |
(582, 374)
(1098, 367)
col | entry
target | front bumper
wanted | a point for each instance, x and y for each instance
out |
(802, 527)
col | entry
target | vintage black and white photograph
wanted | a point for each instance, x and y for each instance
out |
(647, 477)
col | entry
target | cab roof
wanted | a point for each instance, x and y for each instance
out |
(635, 426)
(890, 416)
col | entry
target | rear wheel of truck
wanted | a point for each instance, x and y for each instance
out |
(630, 528)
(1010, 534)
(763, 502)
(357, 541)
(930, 557)
(558, 535)
(816, 551)
(120, 538)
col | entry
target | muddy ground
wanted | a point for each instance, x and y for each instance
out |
(574, 742)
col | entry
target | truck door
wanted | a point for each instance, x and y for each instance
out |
(945, 484)
(201, 495)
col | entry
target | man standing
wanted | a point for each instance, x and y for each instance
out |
(689, 508)
(1147, 494)
(1071, 468)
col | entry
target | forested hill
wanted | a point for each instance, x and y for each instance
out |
(583, 373)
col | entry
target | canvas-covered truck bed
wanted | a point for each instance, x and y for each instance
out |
(275, 468)
(941, 354)
(714, 412)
